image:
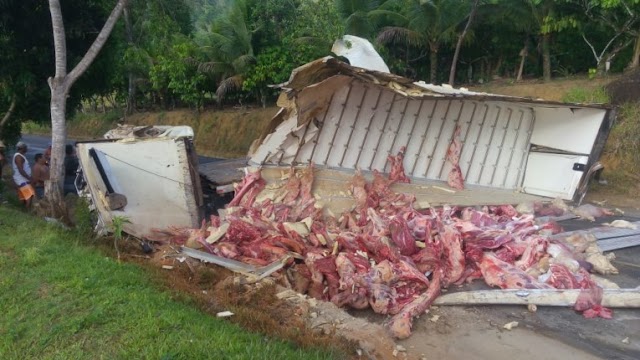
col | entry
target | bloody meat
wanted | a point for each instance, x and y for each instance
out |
(386, 255)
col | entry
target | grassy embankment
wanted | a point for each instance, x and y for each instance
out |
(61, 298)
(223, 133)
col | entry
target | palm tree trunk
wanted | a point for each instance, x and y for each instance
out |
(546, 56)
(456, 54)
(7, 115)
(523, 54)
(635, 60)
(60, 85)
(131, 98)
(433, 60)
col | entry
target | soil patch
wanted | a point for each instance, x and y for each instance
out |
(554, 90)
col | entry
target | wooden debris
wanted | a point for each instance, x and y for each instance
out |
(614, 298)
(224, 314)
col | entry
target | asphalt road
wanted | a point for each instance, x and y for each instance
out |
(38, 144)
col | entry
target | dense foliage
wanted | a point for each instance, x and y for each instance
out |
(197, 53)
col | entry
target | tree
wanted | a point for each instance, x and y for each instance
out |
(228, 44)
(454, 62)
(60, 86)
(621, 17)
(24, 55)
(423, 24)
(357, 16)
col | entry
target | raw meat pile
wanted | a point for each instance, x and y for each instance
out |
(385, 254)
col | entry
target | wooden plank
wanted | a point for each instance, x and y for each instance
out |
(615, 298)
(236, 266)
(619, 243)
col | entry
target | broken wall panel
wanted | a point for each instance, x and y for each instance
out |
(157, 183)
(363, 124)
(568, 129)
(360, 132)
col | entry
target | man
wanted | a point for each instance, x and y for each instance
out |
(71, 165)
(40, 174)
(22, 175)
(3, 161)
(47, 155)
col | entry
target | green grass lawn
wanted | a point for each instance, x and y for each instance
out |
(62, 298)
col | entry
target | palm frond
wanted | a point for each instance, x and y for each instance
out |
(230, 84)
(400, 35)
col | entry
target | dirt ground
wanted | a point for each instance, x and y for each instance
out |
(554, 90)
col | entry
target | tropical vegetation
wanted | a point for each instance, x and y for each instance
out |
(166, 54)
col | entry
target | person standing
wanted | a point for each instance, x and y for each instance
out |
(22, 175)
(71, 164)
(40, 174)
(3, 161)
(47, 155)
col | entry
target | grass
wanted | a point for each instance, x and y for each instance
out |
(62, 298)
(582, 95)
(622, 150)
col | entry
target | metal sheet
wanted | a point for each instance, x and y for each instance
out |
(552, 175)
(619, 243)
(568, 129)
(158, 177)
(329, 126)
(375, 130)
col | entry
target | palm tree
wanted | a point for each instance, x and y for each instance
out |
(228, 44)
(60, 85)
(357, 16)
(423, 23)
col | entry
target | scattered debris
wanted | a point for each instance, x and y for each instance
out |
(532, 308)
(401, 348)
(510, 325)
(167, 267)
(435, 318)
(615, 298)
(224, 314)
(625, 340)
(622, 224)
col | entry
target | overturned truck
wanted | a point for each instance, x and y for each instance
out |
(370, 190)
(342, 117)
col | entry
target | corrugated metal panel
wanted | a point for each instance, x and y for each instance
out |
(364, 124)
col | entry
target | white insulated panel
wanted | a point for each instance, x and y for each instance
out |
(345, 126)
(406, 129)
(390, 133)
(330, 126)
(376, 129)
(552, 175)
(419, 136)
(364, 124)
(361, 126)
(568, 129)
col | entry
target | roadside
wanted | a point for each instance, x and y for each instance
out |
(61, 297)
